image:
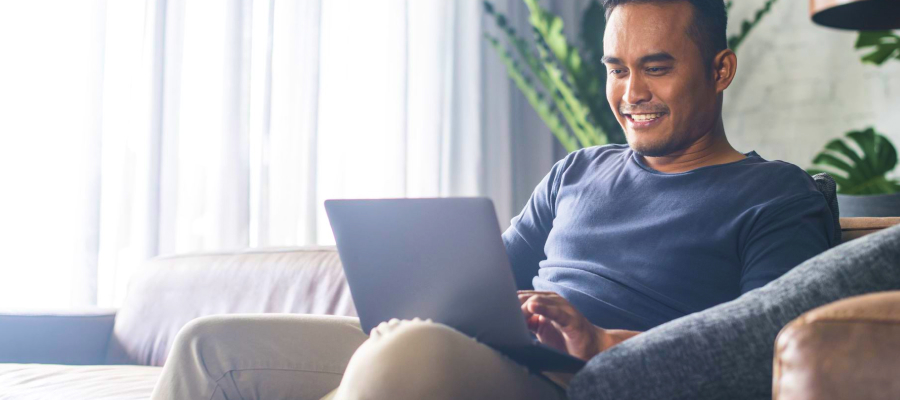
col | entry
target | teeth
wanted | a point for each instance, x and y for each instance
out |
(645, 117)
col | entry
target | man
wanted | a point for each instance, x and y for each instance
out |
(616, 240)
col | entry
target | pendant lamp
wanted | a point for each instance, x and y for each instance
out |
(857, 15)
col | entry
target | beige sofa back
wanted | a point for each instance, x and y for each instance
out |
(167, 292)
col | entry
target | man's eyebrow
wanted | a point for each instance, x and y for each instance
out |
(610, 60)
(656, 57)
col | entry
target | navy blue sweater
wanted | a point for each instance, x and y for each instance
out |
(632, 247)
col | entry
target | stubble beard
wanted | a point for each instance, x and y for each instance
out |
(660, 148)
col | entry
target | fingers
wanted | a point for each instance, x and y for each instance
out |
(543, 298)
(524, 295)
(549, 306)
(535, 292)
(526, 312)
(534, 322)
(531, 319)
(562, 315)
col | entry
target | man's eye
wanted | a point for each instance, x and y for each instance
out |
(656, 70)
(614, 71)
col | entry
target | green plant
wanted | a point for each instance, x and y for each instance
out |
(864, 172)
(860, 172)
(566, 89)
(748, 25)
(570, 98)
(886, 46)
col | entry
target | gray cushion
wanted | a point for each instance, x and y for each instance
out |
(726, 352)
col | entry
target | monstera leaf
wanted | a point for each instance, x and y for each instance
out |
(856, 172)
(885, 45)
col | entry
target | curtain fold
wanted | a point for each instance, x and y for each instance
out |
(288, 141)
(215, 125)
(131, 143)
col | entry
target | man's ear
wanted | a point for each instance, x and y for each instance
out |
(724, 68)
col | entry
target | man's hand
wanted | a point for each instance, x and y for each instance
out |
(559, 325)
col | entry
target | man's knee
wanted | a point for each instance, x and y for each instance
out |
(201, 334)
(204, 327)
(420, 342)
(411, 359)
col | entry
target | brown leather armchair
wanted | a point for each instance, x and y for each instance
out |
(849, 349)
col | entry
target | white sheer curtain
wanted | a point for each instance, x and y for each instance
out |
(50, 79)
(206, 125)
(400, 106)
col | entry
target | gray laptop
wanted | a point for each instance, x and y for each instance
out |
(441, 259)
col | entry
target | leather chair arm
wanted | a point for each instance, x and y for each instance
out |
(849, 349)
(64, 337)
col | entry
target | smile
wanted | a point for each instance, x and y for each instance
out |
(644, 120)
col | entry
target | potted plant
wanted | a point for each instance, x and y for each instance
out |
(864, 190)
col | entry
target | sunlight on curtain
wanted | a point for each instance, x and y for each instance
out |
(133, 129)
(127, 173)
(73, 161)
(205, 155)
(284, 135)
(400, 102)
(362, 144)
(49, 93)
(198, 123)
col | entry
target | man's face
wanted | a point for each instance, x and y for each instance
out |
(659, 87)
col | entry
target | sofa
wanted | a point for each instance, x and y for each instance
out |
(117, 354)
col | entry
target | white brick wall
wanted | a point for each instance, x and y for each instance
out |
(800, 85)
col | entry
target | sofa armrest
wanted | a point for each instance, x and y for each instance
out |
(849, 349)
(857, 227)
(57, 337)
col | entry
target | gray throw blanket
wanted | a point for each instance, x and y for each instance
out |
(726, 352)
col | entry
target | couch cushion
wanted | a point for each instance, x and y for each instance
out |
(725, 352)
(68, 382)
(168, 292)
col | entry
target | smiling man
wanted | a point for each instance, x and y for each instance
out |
(678, 221)
(615, 240)
(666, 86)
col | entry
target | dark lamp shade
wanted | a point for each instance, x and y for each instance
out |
(858, 15)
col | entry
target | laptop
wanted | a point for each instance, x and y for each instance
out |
(440, 259)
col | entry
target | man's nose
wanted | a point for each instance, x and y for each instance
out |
(636, 91)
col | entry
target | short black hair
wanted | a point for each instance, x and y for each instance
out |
(707, 30)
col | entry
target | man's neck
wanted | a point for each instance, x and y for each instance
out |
(711, 149)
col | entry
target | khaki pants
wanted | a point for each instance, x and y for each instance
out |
(285, 356)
